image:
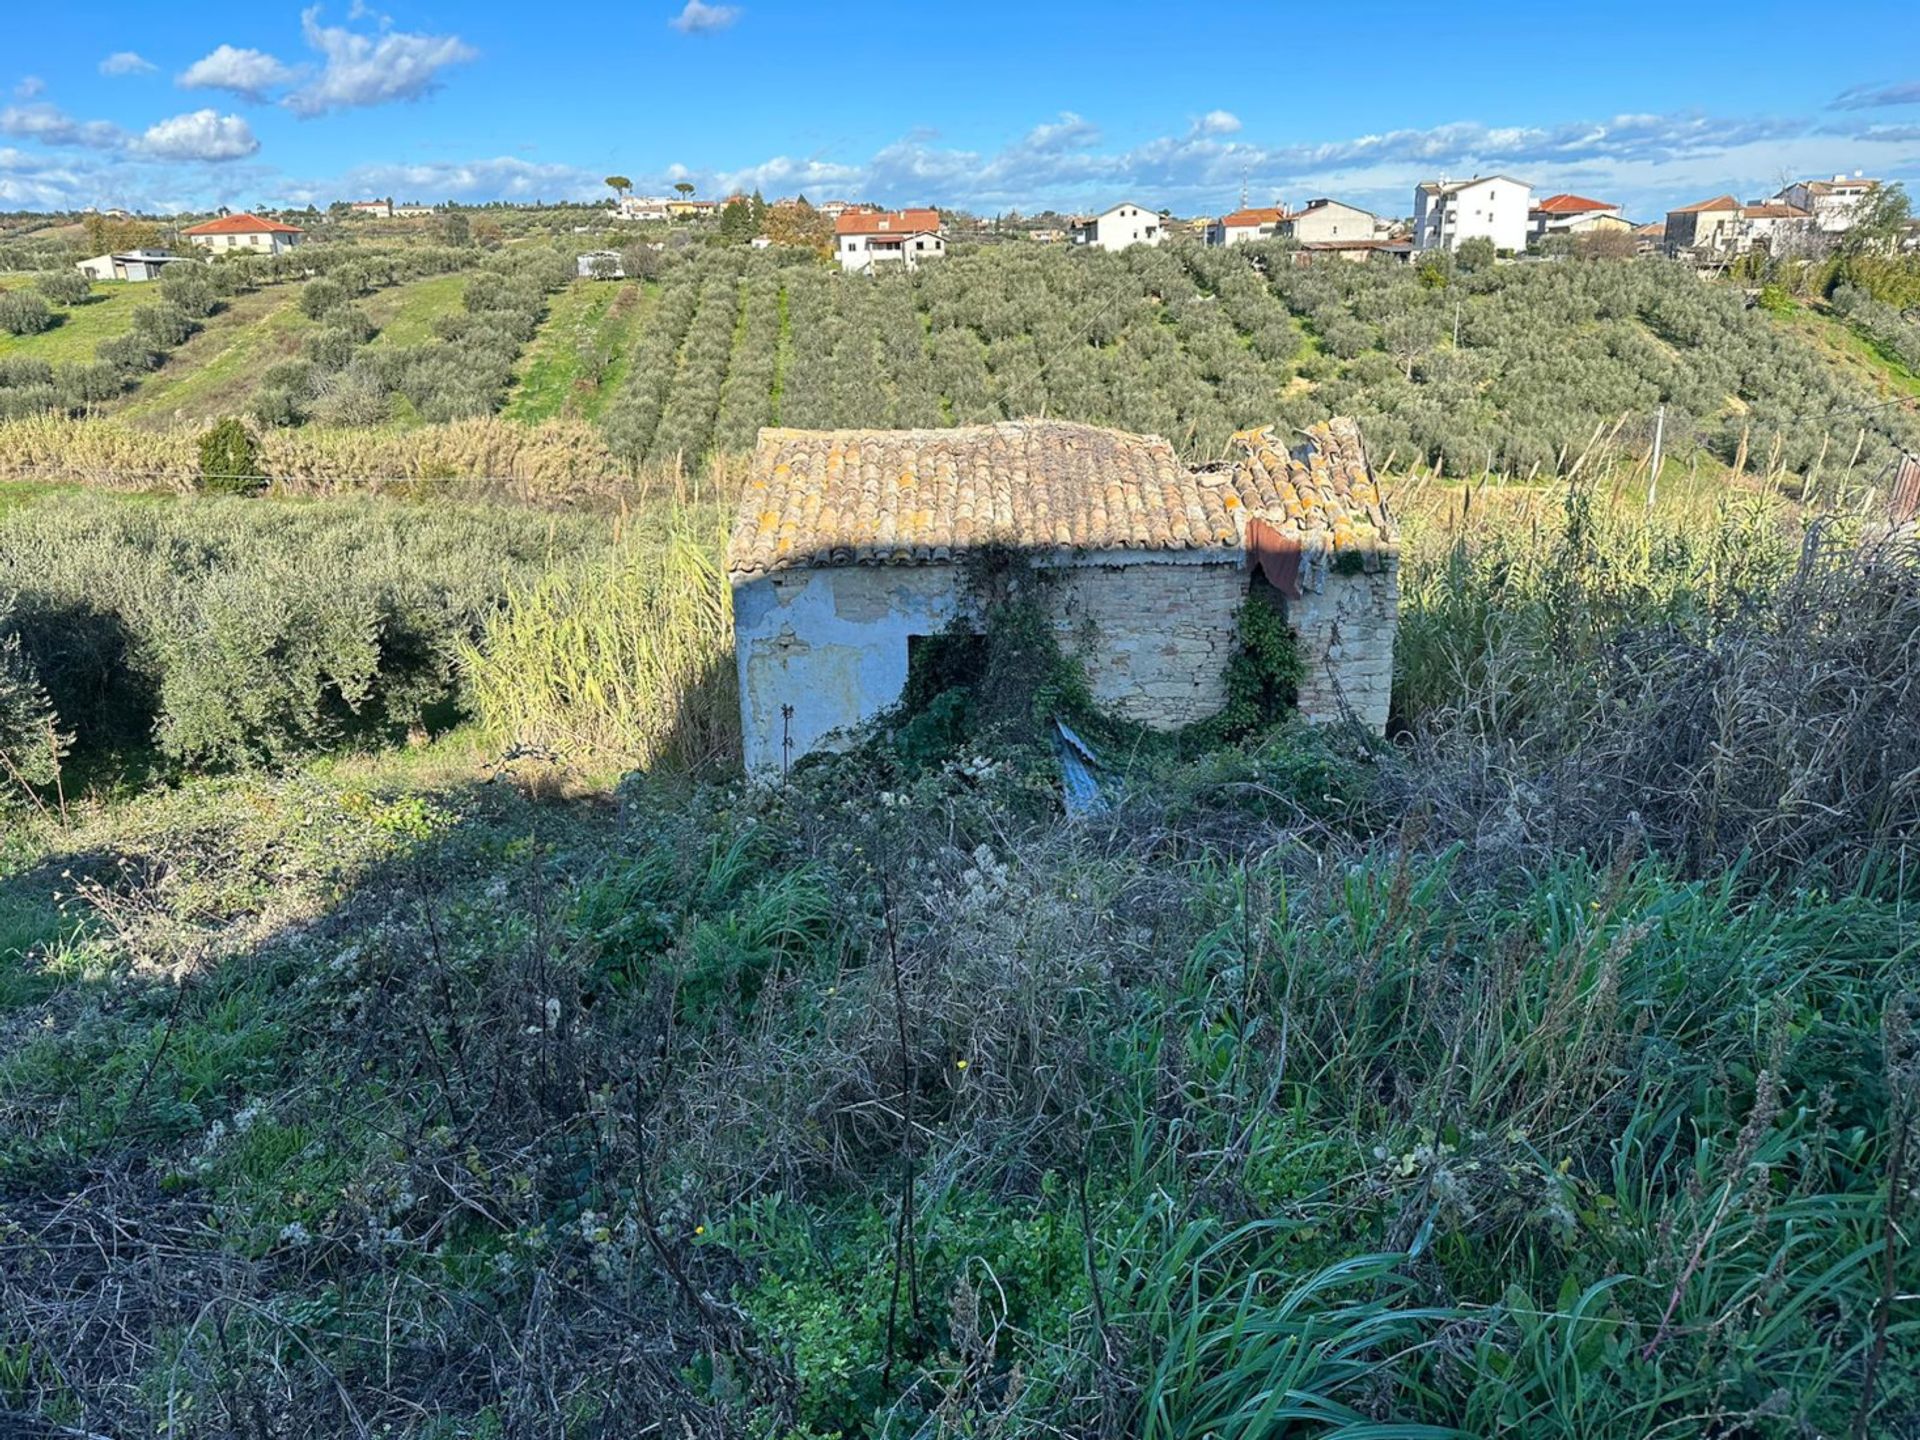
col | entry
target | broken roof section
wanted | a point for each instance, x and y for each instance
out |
(914, 497)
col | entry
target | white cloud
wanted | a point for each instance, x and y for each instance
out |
(503, 177)
(251, 74)
(700, 18)
(50, 125)
(1872, 97)
(126, 62)
(1642, 161)
(29, 86)
(199, 135)
(362, 70)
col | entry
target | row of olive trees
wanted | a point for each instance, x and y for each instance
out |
(1470, 367)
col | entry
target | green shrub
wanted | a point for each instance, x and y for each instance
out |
(229, 459)
(24, 313)
(63, 287)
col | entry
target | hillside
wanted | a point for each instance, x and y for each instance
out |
(1515, 371)
(375, 1059)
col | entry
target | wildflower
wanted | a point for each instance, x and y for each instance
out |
(294, 1233)
(959, 1064)
(699, 1229)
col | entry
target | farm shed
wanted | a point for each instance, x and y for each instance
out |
(850, 546)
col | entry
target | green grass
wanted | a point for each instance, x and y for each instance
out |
(82, 327)
(1850, 350)
(591, 318)
(215, 372)
(405, 313)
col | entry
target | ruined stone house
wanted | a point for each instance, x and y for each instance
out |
(849, 548)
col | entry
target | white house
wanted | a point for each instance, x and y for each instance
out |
(1261, 222)
(864, 238)
(640, 207)
(1492, 207)
(1326, 221)
(375, 209)
(232, 233)
(1832, 203)
(135, 265)
(1573, 215)
(1118, 227)
(412, 211)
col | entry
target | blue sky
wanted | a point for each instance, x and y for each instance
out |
(981, 104)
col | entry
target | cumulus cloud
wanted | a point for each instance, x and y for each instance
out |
(1633, 158)
(204, 135)
(1872, 97)
(700, 18)
(359, 70)
(251, 74)
(126, 62)
(50, 125)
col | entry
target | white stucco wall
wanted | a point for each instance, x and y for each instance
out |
(1494, 207)
(1331, 220)
(1126, 225)
(1153, 635)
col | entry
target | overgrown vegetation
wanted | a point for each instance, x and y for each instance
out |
(1550, 1070)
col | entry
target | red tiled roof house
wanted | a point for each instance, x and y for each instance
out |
(864, 238)
(233, 233)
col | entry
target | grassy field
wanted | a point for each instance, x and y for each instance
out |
(405, 313)
(581, 355)
(82, 327)
(1852, 350)
(1551, 1068)
(214, 373)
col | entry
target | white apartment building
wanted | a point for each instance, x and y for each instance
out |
(1493, 207)
(1832, 203)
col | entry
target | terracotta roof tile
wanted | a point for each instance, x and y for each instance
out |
(881, 222)
(1719, 202)
(1572, 205)
(241, 225)
(905, 497)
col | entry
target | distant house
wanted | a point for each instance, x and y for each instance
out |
(1833, 203)
(642, 207)
(691, 209)
(1328, 222)
(1573, 215)
(1261, 222)
(599, 265)
(1357, 251)
(864, 238)
(834, 209)
(376, 209)
(412, 211)
(1047, 236)
(232, 233)
(1117, 227)
(1774, 226)
(1487, 207)
(1650, 238)
(135, 265)
(1707, 227)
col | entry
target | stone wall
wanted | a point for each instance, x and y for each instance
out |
(1153, 637)
(1346, 635)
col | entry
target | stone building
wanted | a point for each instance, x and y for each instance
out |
(850, 547)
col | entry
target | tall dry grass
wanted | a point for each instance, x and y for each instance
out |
(556, 462)
(624, 658)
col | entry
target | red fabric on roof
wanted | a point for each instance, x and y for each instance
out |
(887, 222)
(242, 225)
(1277, 554)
